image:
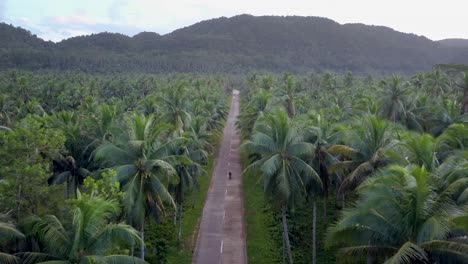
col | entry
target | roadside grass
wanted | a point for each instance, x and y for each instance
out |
(261, 227)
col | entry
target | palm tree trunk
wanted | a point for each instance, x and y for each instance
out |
(465, 101)
(286, 236)
(369, 259)
(142, 245)
(284, 248)
(290, 108)
(179, 233)
(18, 203)
(314, 234)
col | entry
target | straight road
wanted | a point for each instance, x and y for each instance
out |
(221, 238)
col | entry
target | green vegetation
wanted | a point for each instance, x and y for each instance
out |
(260, 224)
(239, 44)
(338, 168)
(107, 169)
(388, 161)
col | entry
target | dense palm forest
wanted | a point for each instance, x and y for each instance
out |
(337, 168)
(356, 169)
(105, 169)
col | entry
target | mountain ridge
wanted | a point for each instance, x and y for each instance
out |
(237, 44)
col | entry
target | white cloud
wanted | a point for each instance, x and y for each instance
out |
(431, 18)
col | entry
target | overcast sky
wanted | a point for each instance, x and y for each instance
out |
(58, 19)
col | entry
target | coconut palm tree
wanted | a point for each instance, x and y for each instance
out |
(281, 164)
(464, 88)
(70, 167)
(189, 156)
(412, 225)
(142, 167)
(452, 177)
(437, 82)
(453, 140)
(394, 100)
(419, 150)
(175, 108)
(8, 232)
(365, 152)
(287, 94)
(252, 111)
(90, 239)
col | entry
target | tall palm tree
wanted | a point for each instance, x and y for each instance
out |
(90, 239)
(70, 167)
(142, 167)
(281, 164)
(287, 95)
(251, 112)
(394, 100)
(437, 82)
(464, 87)
(369, 140)
(175, 106)
(189, 156)
(400, 218)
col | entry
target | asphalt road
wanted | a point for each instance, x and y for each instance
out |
(221, 237)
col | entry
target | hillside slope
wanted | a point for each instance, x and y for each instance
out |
(236, 45)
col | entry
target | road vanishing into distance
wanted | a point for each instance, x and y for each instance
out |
(221, 237)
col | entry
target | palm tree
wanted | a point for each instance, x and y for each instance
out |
(394, 100)
(5, 110)
(287, 95)
(400, 218)
(453, 140)
(437, 82)
(175, 106)
(369, 141)
(189, 156)
(464, 87)
(8, 232)
(252, 111)
(90, 239)
(281, 164)
(452, 177)
(323, 134)
(419, 150)
(142, 169)
(443, 114)
(70, 167)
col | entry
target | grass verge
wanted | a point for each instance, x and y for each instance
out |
(262, 247)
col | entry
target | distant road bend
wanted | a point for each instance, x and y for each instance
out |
(221, 238)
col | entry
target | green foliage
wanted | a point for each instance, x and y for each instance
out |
(413, 224)
(262, 231)
(91, 238)
(26, 153)
(107, 187)
(390, 150)
(236, 45)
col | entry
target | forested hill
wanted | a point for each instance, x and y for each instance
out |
(237, 44)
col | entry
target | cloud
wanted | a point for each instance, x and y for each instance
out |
(68, 18)
(74, 20)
